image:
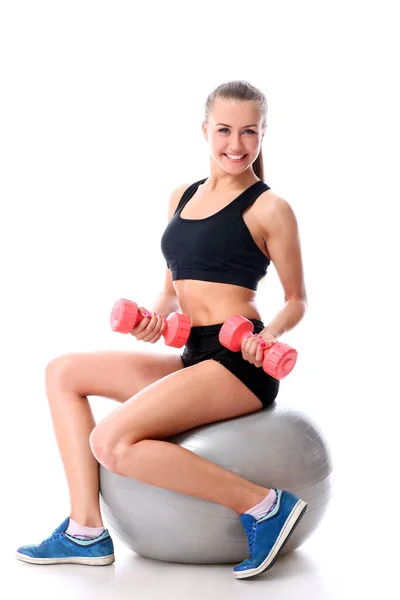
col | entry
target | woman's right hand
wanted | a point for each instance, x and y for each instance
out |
(151, 328)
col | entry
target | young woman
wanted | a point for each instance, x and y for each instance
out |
(223, 231)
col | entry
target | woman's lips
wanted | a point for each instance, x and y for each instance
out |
(235, 160)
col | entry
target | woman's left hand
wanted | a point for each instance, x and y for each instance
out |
(254, 346)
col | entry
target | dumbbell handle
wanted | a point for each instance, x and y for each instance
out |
(278, 360)
(125, 316)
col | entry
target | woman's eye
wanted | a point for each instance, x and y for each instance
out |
(226, 129)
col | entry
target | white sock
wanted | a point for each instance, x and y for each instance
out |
(264, 507)
(83, 532)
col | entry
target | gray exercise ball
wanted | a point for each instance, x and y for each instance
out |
(275, 447)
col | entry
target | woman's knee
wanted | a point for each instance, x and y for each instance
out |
(60, 371)
(106, 449)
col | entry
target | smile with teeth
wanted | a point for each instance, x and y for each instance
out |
(235, 156)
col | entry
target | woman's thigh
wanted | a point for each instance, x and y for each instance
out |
(111, 374)
(204, 345)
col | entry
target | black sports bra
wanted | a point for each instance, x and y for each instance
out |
(217, 248)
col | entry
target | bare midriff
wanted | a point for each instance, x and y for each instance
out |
(208, 302)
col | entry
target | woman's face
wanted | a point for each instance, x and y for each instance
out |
(234, 128)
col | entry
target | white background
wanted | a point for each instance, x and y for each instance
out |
(101, 107)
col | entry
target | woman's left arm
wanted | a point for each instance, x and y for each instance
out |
(282, 239)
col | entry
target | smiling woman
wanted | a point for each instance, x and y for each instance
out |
(216, 254)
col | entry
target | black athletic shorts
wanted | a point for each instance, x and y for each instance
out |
(203, 344)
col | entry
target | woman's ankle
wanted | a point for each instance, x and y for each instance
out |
(87, 520)
(83, 532)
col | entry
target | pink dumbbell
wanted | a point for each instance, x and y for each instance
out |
(125, 316)
(278, 360)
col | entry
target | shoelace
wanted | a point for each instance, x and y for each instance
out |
(251, 538)
(51, 537)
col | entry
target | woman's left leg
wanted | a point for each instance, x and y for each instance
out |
(129, 440)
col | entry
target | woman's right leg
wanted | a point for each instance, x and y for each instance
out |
(70, 379)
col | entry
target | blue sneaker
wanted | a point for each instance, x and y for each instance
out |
(269, 534)
(63, 548)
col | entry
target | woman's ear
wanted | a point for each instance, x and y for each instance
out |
(263, 133)
(204, 128)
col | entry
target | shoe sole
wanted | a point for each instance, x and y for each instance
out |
(78, 560)
(291, 523)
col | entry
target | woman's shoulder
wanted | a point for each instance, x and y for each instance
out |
(266, 201)
(271, 201)
(273, 211)
(175, 198)
(181, 189)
